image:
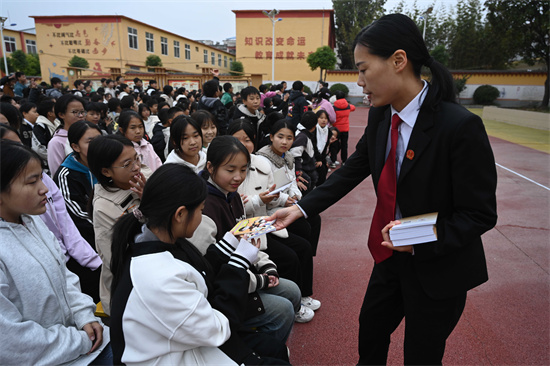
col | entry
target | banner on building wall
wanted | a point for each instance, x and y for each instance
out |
(187, 84)
(237, 85)
(299, 53)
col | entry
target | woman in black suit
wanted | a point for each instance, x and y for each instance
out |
(443, 163)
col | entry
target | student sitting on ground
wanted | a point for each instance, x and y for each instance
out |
(186, 138)
(291, 253)
(209, 129)
(117, 167)
(161, 132)
(250, 107)
(45, 318)
(279, 298)
(131, 126)
(168, 306)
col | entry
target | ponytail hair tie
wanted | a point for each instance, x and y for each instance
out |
(429, 62)
(139, 216)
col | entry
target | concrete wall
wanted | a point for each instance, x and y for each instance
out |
(520, 88)
(537, 120)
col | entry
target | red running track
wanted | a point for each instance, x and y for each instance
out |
(506, 320)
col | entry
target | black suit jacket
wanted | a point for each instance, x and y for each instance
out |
(452, 172)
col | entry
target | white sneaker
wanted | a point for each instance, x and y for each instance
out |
(304, 315)
(337, 162)
(311, 303)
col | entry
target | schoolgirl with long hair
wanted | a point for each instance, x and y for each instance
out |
(131, 126)
(117, 166)
(291, 253)
(186, 139)
(168, 305)
(278, 298)
(45, 317)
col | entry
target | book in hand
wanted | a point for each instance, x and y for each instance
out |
(253, 227)
(281, 180)
(415, 230)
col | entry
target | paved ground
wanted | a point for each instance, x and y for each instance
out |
(506, 320)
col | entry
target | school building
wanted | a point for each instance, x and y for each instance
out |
(297, 34)
(118, 45)
(18, 40)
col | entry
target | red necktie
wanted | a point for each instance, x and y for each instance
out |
(385, 204)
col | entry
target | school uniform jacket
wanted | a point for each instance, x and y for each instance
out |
(221, 214)
(75, 181)
(108, 206)
(161, 278)
(448, 168)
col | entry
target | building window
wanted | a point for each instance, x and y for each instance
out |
(177, 49)
(132, 38)
(205, 56)
(135, 68)
(213, 58)
(230, 61)
(9, 43)
(164, 45)
(224, 61)
(150, 42)
(31, 46)
(219, 60)
(187, 52)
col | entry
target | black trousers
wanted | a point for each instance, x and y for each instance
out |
(342, 146)
(394, 292)
(294, 259)
(89, 280)
(309, 229)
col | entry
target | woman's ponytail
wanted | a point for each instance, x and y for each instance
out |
(442, 86)
(397, 31)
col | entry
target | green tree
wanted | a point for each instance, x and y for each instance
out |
(440, 54)
(10, 66)
(350, 18)
(324, 58)
(466, 47)
(33, 65)
(153, 61)
(78, 61)
(460, 83)
(523, 28)
(237, 68)
(18, 61)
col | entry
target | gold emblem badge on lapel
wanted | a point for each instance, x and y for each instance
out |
(410, 154)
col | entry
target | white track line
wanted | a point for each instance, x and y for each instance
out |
(522, 176)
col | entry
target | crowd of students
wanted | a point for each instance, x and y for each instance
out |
(136, 192)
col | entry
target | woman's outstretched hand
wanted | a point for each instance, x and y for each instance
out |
(285, 216)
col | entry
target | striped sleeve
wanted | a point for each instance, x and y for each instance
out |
(244, 255)
(72, 206)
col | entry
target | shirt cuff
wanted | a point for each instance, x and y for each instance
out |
(303, 212)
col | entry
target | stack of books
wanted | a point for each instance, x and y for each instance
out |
(415, 230)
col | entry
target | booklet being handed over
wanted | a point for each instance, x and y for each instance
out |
(253, 227)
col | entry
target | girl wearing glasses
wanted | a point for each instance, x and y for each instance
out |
(131, 126)
(68, 109)
(118, 169)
